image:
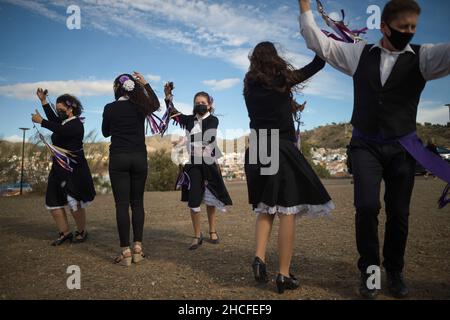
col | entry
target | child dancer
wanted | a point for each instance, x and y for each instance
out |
(294, 189)
(202, 173)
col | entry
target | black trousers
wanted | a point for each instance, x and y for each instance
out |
(128, 173)
(371, 163)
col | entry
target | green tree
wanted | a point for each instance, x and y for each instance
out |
(162, 172)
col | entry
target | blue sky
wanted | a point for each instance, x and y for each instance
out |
(200, 45)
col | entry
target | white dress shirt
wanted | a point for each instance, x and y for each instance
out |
(434, 58)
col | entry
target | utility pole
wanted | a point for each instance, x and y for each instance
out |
(448, 123)
(23, 156)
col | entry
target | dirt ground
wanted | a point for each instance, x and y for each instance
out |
(324, 261)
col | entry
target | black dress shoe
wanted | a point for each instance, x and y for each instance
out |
(83, 235)
(396, 285)
(285, 283)
(259, 270)
(364, 291)
(62, 238)
(198, 244)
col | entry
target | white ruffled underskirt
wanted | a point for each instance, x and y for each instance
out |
(72, 203)
(210, 200)
(299, 210)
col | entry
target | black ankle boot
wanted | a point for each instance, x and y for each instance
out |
(259, 270)
(285, 283)
(364, 291)
(396, 285)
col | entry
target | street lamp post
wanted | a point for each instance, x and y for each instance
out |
(23, 156)
(448, 105)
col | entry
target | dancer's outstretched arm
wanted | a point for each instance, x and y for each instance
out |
(308, 71)
(153, 98)
(342, 56)
(182, 118)
(435, 60)
(51, 116)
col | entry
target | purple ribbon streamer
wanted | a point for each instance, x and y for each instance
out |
(430, 161)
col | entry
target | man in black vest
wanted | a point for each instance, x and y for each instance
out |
(389, 78)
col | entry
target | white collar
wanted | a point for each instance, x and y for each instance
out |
(206, 115)
(378, 45)
(123, 98)
(67, 120)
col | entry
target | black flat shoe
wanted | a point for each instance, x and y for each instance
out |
(62, 238)
(285, 283)
(214, 241)
(396, 285)
(198, 244)
(83, 235)
(259, 270)
(364, 291)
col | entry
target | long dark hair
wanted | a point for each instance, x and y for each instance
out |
(137, 96)
(270, 70)
(71, 101)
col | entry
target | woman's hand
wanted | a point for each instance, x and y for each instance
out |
(36, 117)
(168, 88)
(305, 5)
(139, 78)
(42, 95)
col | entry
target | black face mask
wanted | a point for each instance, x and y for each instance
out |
(200, 109)
(62, 115)
(399, 40)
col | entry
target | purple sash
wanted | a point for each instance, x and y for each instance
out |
(430, 161)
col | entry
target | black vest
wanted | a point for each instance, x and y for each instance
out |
(389, 110)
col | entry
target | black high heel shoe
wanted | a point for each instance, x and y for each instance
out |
(259, 270)
(62, 238)
(198, 244)
(285, 283)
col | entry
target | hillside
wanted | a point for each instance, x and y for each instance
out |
(338, 135)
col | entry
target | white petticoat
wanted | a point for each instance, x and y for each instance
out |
(300, 210)
(72, 204)
(210, 200)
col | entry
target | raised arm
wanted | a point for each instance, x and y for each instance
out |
(308, 71)
(342, 56)
(51, 116)
(168, 99)
(153, 98)
(435, 60)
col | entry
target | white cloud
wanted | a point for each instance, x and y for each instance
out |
(14, 138)
(210, 29)
(153, 78)
(433, 112)
(80, 88)
(222, 84)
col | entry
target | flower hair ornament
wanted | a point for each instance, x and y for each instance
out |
(127, 83)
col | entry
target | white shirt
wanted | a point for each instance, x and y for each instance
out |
(67, 120)
(434, 58)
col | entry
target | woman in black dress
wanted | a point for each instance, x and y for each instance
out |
(202, 173)
(124, 122)
(294, 189)
(74, 188)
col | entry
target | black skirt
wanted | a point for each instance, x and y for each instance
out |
(293, 189)
(204, 178)
(62, 184)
